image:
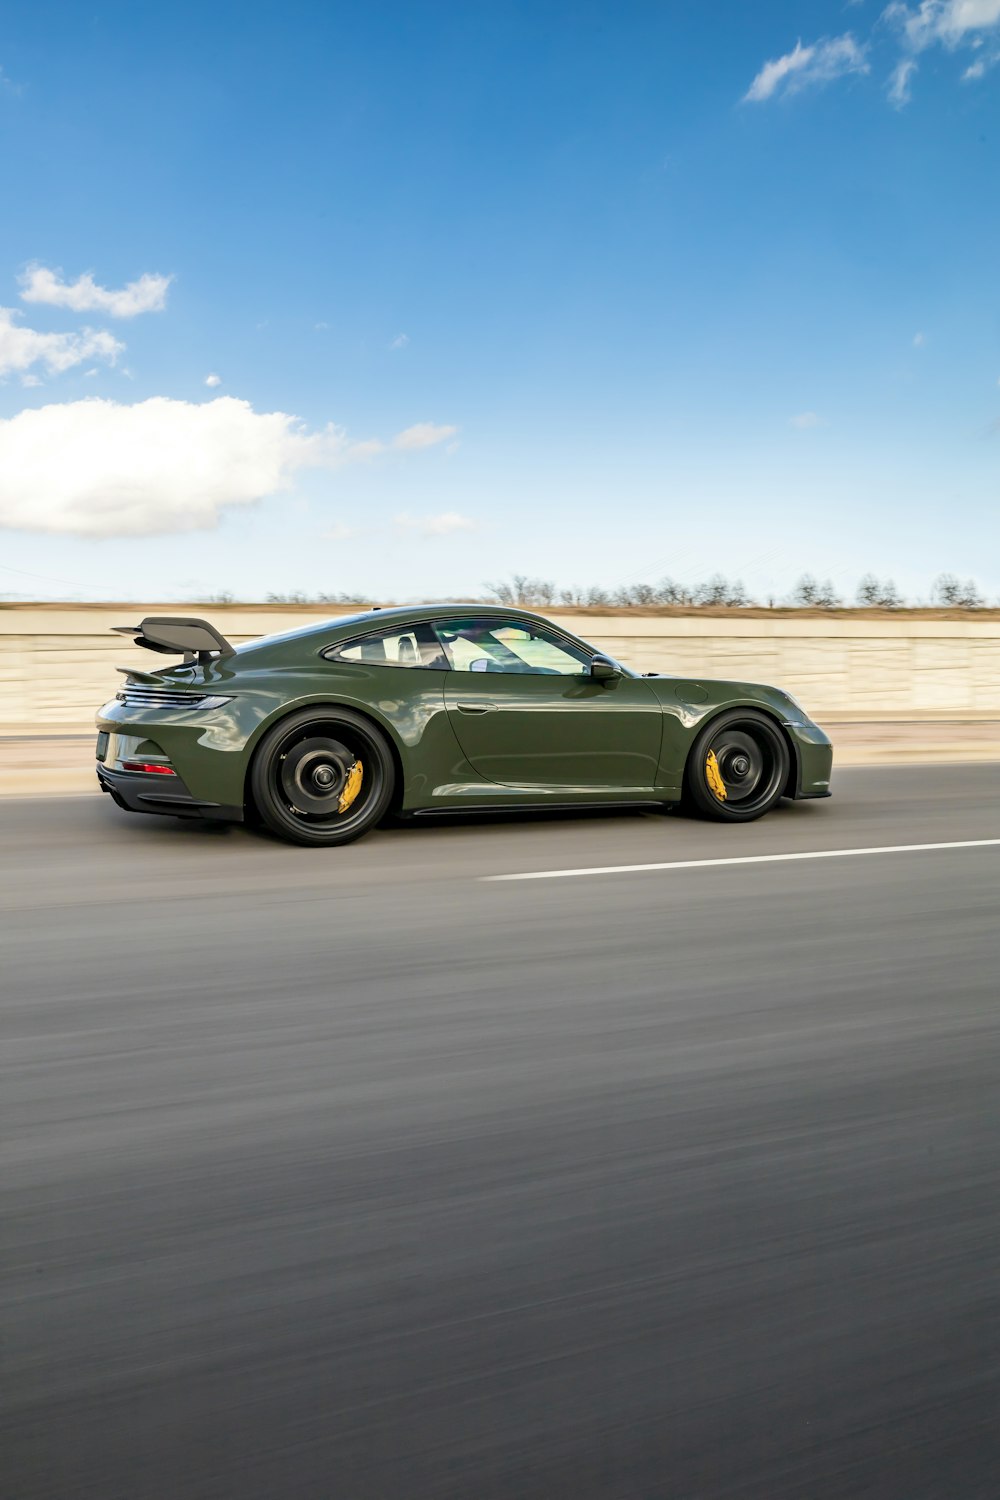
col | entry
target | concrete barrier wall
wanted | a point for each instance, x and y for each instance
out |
(57, 664)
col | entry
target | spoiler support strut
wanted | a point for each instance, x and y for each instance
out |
(195, 639)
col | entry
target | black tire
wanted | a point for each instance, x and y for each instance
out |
(751, 764)
(301, 771)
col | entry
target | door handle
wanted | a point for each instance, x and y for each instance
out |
(475, 708)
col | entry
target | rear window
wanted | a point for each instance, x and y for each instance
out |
(414, 646)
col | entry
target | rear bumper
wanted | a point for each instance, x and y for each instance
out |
(814, 761)
(208, 751)
(135, 792)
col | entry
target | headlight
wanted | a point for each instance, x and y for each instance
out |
(798, 714)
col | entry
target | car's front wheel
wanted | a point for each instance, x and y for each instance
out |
(738, 767)
(322, 777)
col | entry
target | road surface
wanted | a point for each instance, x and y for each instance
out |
(356, 1174)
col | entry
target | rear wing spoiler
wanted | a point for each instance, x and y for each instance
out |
(196, 640)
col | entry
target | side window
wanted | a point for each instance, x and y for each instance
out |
(482, 644)
(416, 646)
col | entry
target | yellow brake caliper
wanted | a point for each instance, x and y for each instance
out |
(714, 776)
(352, 787)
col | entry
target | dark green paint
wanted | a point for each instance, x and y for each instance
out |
(462, 738)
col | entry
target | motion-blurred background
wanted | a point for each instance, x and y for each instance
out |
(664, 1166)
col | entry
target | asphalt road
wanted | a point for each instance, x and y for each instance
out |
(352, 1175)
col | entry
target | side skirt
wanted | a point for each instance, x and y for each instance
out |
(538, 807)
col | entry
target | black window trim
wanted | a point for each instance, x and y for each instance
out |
(526, 620)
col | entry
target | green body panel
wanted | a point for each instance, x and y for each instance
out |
(562, 734)
(461, 738)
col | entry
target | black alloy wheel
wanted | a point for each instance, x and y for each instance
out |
(738, 767)
(322, 777)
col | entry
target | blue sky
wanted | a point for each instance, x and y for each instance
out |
(597, 292)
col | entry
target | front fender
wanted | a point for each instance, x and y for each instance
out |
(692, 703)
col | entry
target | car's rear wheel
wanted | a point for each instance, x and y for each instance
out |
(738, 767)
(322, 777)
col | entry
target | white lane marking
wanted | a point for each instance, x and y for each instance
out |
(745, 859)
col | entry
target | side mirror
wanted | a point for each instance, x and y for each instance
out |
(603, 669)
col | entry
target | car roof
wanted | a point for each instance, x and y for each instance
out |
(402, 613)
(344, 626)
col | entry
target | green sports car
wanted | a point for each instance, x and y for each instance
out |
(318, 733)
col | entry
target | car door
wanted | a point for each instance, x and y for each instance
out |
(529, 715)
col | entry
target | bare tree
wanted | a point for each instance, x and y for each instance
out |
(298, 597)
(719, 590)
(954, 594)
(636, 596)
(670, 592)
(809, 592)
(879, 594)
(531, 593)
(813, 594)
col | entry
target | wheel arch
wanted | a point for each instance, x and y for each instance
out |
(792, 780)
(287, 710)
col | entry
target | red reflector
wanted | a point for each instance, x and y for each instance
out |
(155, 767)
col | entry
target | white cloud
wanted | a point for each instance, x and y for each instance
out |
(982, 65)
(440, 525)
(147, 294)
(338, 532)
(321, 327)
(805, 420)
(899, 82)
(21, 347)
(400, 341)
(947, 23)
(919, 340)
(104, 468)
(31, 380)
(213, 380)
(423, 435)
(829, 58)
(950, 22)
